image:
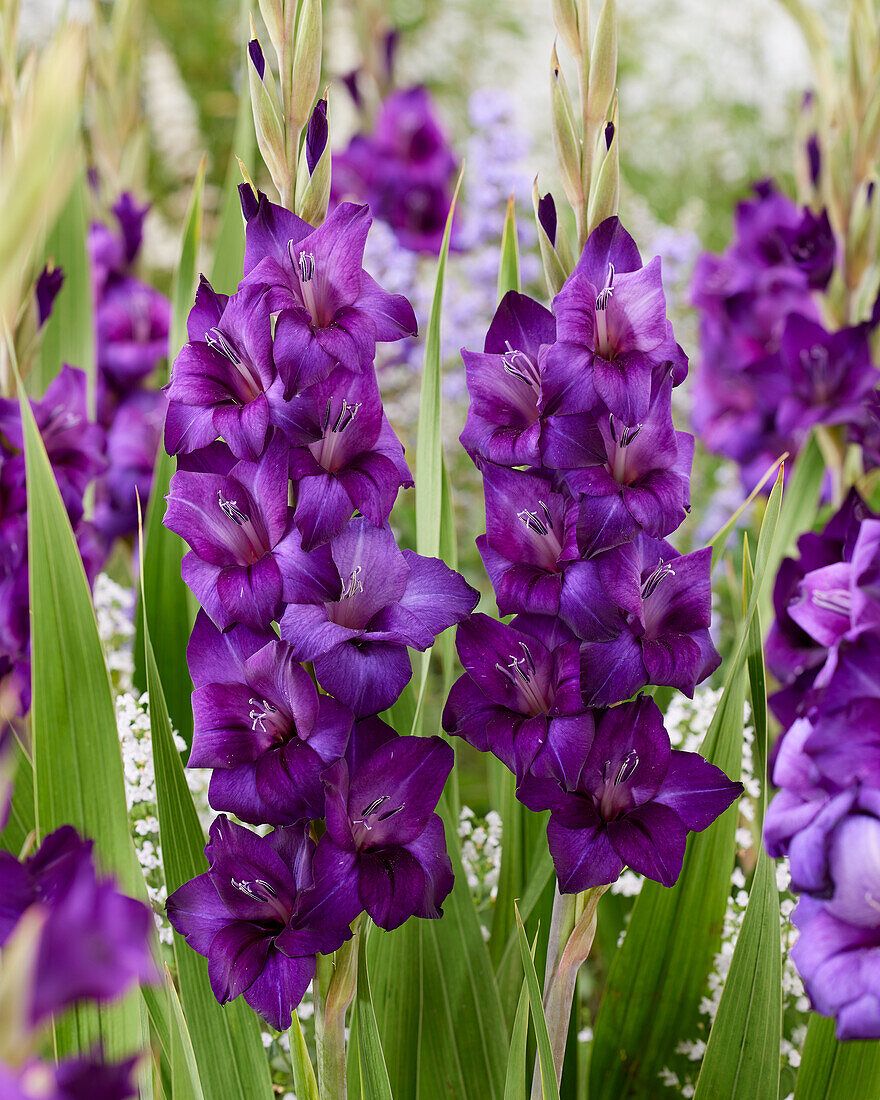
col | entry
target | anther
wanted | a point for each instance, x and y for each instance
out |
(231, 509)
(306, 266)
(662, 571)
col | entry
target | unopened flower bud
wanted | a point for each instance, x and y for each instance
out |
(255, 50)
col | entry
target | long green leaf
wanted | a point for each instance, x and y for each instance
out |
(69, 335)
(185, 1081)
(429, 444)
(742, 1056)
(226, 1039)
(508, 268)
(304, 1083)
(372, 1071)
(831, 1070)
(78, 775)
(167, 599)
(436, 1001)
(21, 823)
(549, 1086)
(657, 976)
(515, 1083)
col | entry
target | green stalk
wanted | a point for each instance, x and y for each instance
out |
(331, 1032)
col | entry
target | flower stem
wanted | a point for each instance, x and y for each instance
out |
(330, 1025)
(572, 929)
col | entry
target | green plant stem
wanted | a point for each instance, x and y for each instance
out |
(572, 931)
(832, 444)
(331, 1033)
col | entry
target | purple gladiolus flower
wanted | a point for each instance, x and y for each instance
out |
(403, 170)
(344, 456)
(224, 381)
(132, 441)
(316, 135)
(77, 1079)
(626, 798)
(516, 687)
(49, 283)
(838, 962)
(666, 601)
(613, 338)
(260, 722)
(261, 913)
(547, 216)
(528, 552)
(631, 478)
(132, 323)
(95, 941)
(381, 827)
(74, 445)
(235, 517)
(504, 381)
(357, 602)
(332, 311)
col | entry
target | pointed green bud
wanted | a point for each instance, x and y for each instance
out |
(603, 63)
(554, 272)
(605, 193)
(267, 124)
(273, 16)
(565, 135)
(565, 17)
(306, 64)
(313, 175)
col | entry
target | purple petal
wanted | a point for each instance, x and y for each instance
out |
(583, 858)
(651, 839)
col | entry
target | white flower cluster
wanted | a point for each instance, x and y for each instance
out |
(114, 610)
(481, 854)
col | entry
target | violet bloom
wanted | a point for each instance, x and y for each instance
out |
(261, 724)
(530, 541)
(666, 601)
(256, 889)
(113, 252)
(638, 478)
(95, 941)
(381, 827)
(516, 687)
(504, 382)
(613, 337)
(74, 445)
(132, 323)
(235, 517)
(332, 311)
(355, 604)
(76, 1079)
(793, 656)
(132, 441)
(838, 962)
(224, 381)
(626, 799)
(344, 455)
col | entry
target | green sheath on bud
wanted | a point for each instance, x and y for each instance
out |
(267, 124)
(313, 190)
(554, 272)
(565, 17)
(603, 64)
(605, 195)
(565, 138)
(306, 65)
(273, 16)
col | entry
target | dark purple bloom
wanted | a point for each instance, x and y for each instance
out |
(235, 517)
(630, 478)
(811, 247)
(224, 382)
(260, 723)
(528, 548)
(838, 962)
(357, 602)
(255, 889)
(332, 311)
(516, 686)
(95, 941)
(613, 338)
(382, 829)
(49, 283)
(112, 253)
(344, 456)
(74, 445)
(316, 135)
(626, 799)
(504, 382)
(666, 601)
